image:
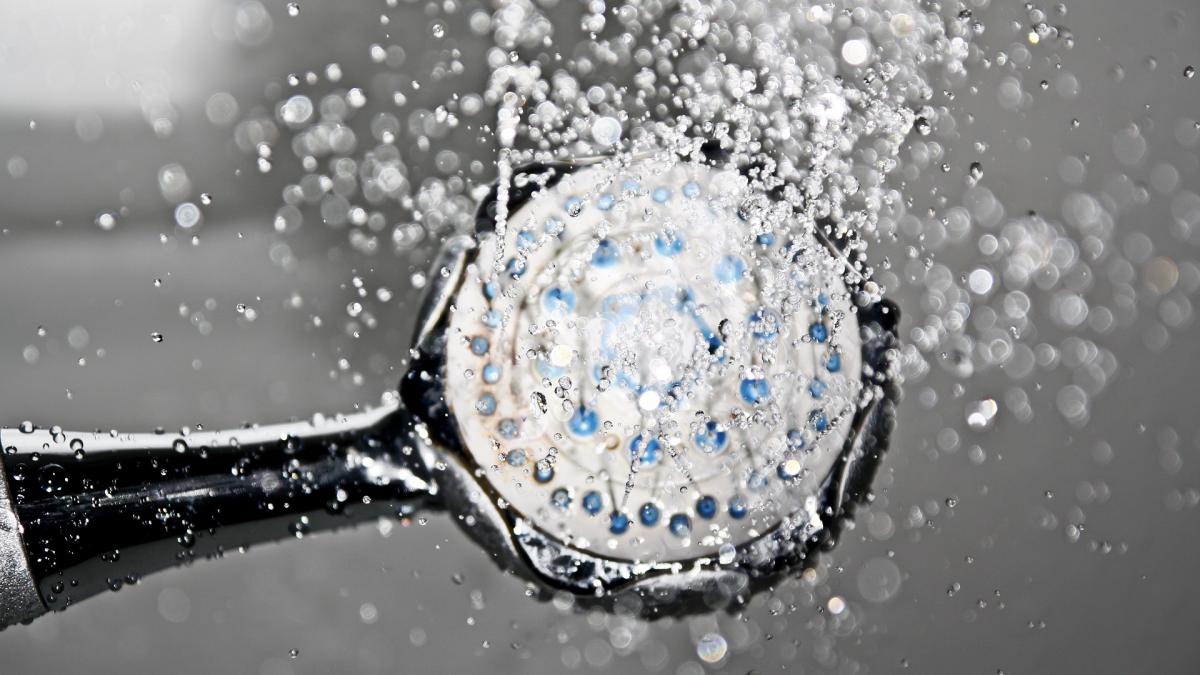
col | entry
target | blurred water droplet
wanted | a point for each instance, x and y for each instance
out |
(711, 648)
(606, 131)
(726, 554)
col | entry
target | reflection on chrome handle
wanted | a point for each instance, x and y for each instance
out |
(99, 510)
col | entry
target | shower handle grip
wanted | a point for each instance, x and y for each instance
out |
(81, 513)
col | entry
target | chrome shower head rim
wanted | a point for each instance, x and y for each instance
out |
(661, 586)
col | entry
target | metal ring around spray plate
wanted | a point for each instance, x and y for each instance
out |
(585, 478)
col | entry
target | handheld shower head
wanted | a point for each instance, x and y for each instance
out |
(646, 379)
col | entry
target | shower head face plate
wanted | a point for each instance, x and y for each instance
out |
(655, 363)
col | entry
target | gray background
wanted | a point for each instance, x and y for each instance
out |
(419, 597)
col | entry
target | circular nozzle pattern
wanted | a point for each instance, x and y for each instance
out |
(652, 360)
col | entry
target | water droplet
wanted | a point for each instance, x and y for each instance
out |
(606, 131)
(711, 648)
(726, 554)
(187, 215)
(52, 478)
(856, 52)
(836, 605)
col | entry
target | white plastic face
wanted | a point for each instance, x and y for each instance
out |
(647, 375)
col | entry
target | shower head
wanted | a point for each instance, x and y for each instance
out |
(647, 379)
